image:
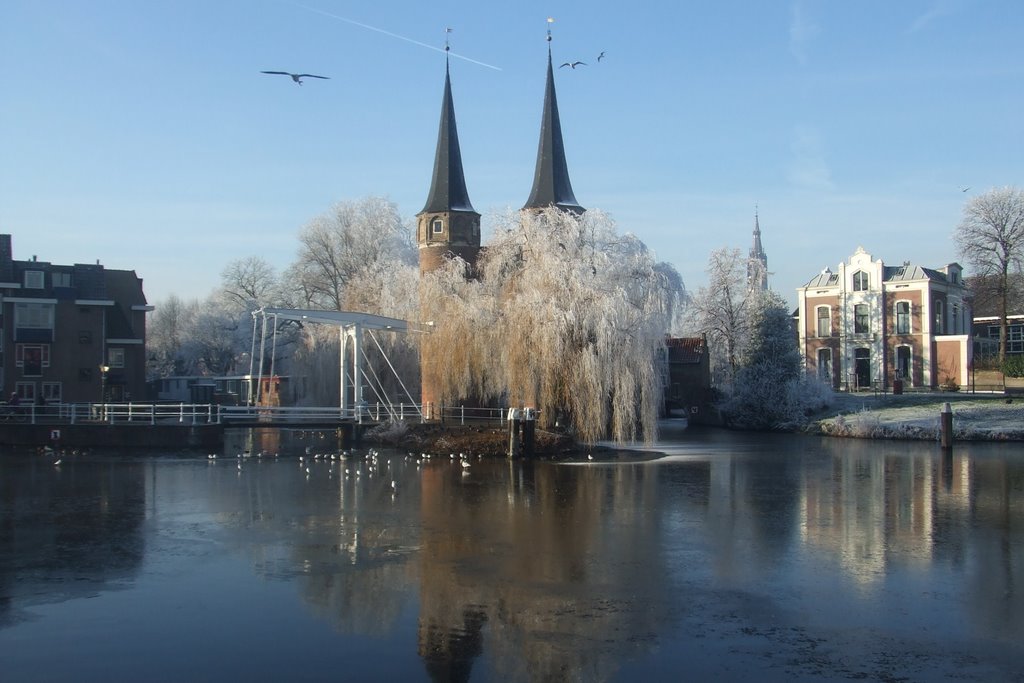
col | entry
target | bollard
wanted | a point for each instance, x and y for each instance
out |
(513, 432)
(946, 426)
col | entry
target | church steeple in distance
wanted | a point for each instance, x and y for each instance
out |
(757, 262)
(448, 223)
(551, 186)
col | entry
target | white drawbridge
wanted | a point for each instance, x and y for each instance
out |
(355, 374)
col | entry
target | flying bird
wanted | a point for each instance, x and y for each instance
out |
(573, 64)
(295, 77)
(964, 189)
(600, 56)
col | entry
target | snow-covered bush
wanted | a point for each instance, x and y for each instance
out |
(769, 391)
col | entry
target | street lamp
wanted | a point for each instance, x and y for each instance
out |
(104, 369)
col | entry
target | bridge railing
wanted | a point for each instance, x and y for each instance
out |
(208, 413)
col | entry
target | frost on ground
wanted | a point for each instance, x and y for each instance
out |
(985, 419)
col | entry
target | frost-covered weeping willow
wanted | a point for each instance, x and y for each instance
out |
(564, 314)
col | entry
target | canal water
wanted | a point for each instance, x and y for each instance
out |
(718, 556)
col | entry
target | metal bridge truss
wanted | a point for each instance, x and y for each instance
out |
(354, 370)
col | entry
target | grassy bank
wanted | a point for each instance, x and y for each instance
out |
(976, 417)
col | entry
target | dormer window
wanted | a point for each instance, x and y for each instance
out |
(860, 281)
(437, 226)
(33, 279)
(61, 279)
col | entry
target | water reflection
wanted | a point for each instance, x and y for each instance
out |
(704, 552)
(67, 531)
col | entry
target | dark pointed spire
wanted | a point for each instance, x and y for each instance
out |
(551, 186)
(448, 185)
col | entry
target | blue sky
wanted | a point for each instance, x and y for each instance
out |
(144, 135)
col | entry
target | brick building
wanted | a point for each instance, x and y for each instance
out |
(70, 333)
(868, 325)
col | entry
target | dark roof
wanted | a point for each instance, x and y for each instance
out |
(551, 186)
(125, 288)
(685, 349)
(448, 185)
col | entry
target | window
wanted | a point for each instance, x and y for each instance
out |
(32, 358)
(860, 281)
(115, 358)
(825, 366)
(61, 279)
(26, 391)
(860, 319)
(35, 316)
(903, 362)
(51, 392)
(824, 314)
(939, 317)
(437, 225)
(1015, 339)
(902, 317)
(955, 319)
(33, 279)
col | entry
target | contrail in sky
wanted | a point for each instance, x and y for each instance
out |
(393, 35)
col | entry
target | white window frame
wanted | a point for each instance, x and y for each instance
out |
(52, 392)
(910, 317)
(35, 279)
(26, 391)
(44, 354)
(818, 319)
(115, 357)
(33, 316)
(867, 317)
(861, 281)
(437, 225)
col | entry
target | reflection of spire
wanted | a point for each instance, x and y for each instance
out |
(449, 653)
(551, 185)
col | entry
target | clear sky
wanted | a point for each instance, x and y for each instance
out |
(143, 134)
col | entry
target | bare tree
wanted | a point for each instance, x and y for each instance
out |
(990, 238)
(723, 309)
(249, 282)
(339, 244)
(167, 333)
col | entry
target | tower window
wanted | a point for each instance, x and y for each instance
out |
(437, 225)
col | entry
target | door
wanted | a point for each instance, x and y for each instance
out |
(862, 367)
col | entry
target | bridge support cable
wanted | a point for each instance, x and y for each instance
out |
(395, 373)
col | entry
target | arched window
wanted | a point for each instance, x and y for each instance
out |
(824, 318)
(902, 317)
(860, 281)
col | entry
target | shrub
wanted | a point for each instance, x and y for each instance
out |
(1013, 366)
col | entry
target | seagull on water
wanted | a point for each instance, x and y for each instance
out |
(295, 77)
